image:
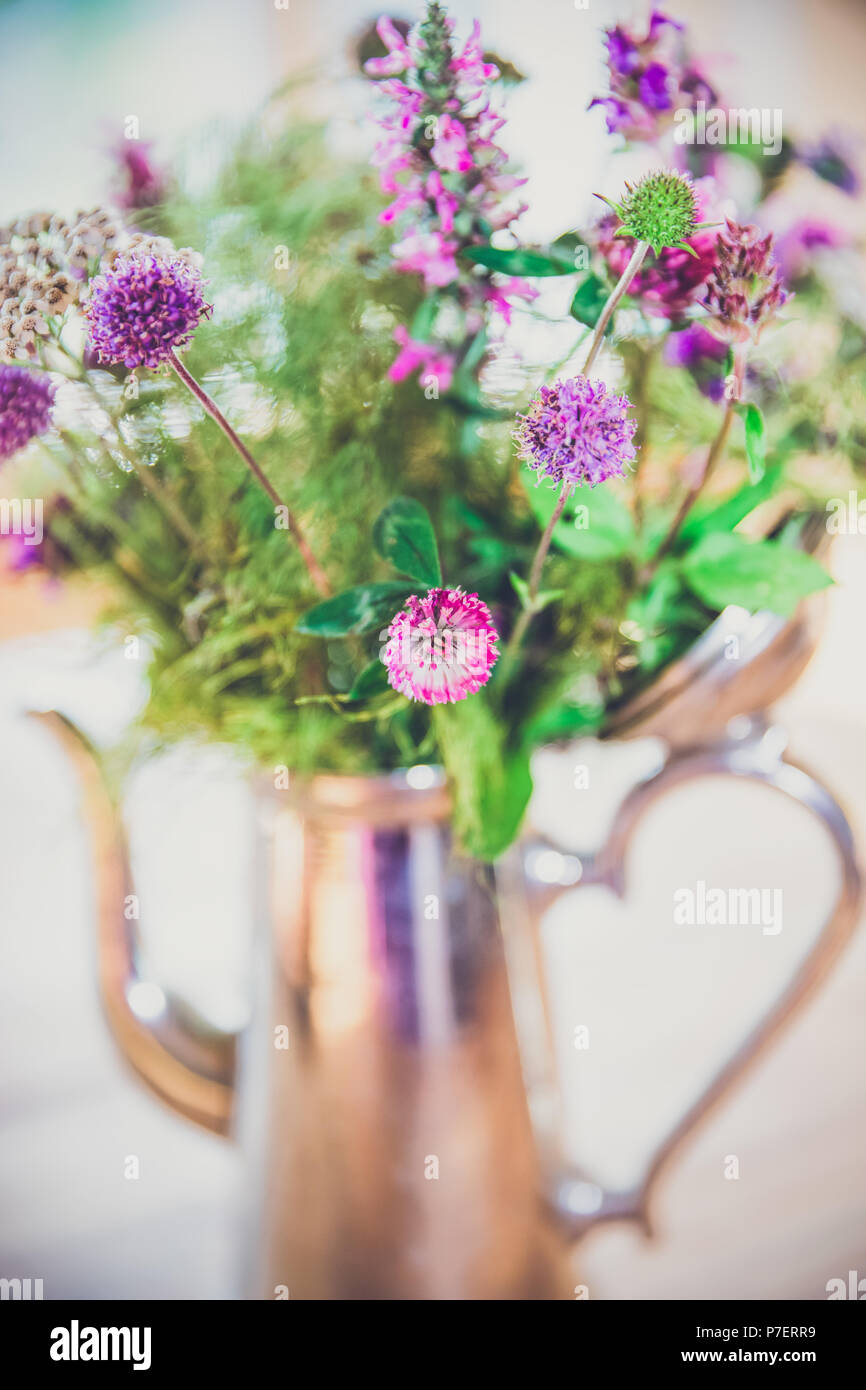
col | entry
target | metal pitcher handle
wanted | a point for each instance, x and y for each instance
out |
(183, 1059)
(538, 872)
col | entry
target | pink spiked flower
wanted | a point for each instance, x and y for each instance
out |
(450, 151)
(398, 56)
(434, 364)
(438, 159)
(430, 254)
(470, 64)
(441, 647)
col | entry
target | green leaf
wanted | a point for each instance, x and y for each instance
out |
(546, 596)
(491, 783)
(474, 353)
(517, 261)
(361, 609)
(729, 514)
(462, 514)
(601, 527)
(667, 616)
(465, 387)
(589, 299)
(403, 535)
(541, 497)
(567, 244)
(565, 721)
(652, 608)
(723, 569)
(373, 680)
(756, 451)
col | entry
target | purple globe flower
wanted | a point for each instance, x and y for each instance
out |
(576, 431)
(26, 401)
(144, 308)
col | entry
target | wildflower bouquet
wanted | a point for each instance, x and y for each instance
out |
(349, 545)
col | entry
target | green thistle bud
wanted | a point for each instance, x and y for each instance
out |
(659, 209)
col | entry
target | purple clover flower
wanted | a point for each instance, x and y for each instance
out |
(576, 431)
(26, 402)
(441, 647)
(144, 308)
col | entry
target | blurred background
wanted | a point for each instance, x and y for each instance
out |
(70, 1114)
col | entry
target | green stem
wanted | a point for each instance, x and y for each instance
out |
(509, 656)
(521, 627)
(715, 453)
(616, 294)
(314, 569)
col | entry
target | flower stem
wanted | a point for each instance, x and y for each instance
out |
(715, 453)
(314, 569)
(509, 656)
(519, 631)
(616, 294)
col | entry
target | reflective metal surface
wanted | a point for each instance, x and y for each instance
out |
(743, 663)
(751, 749)
(184, 1059)
(392, 1156)
(377, 1093)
